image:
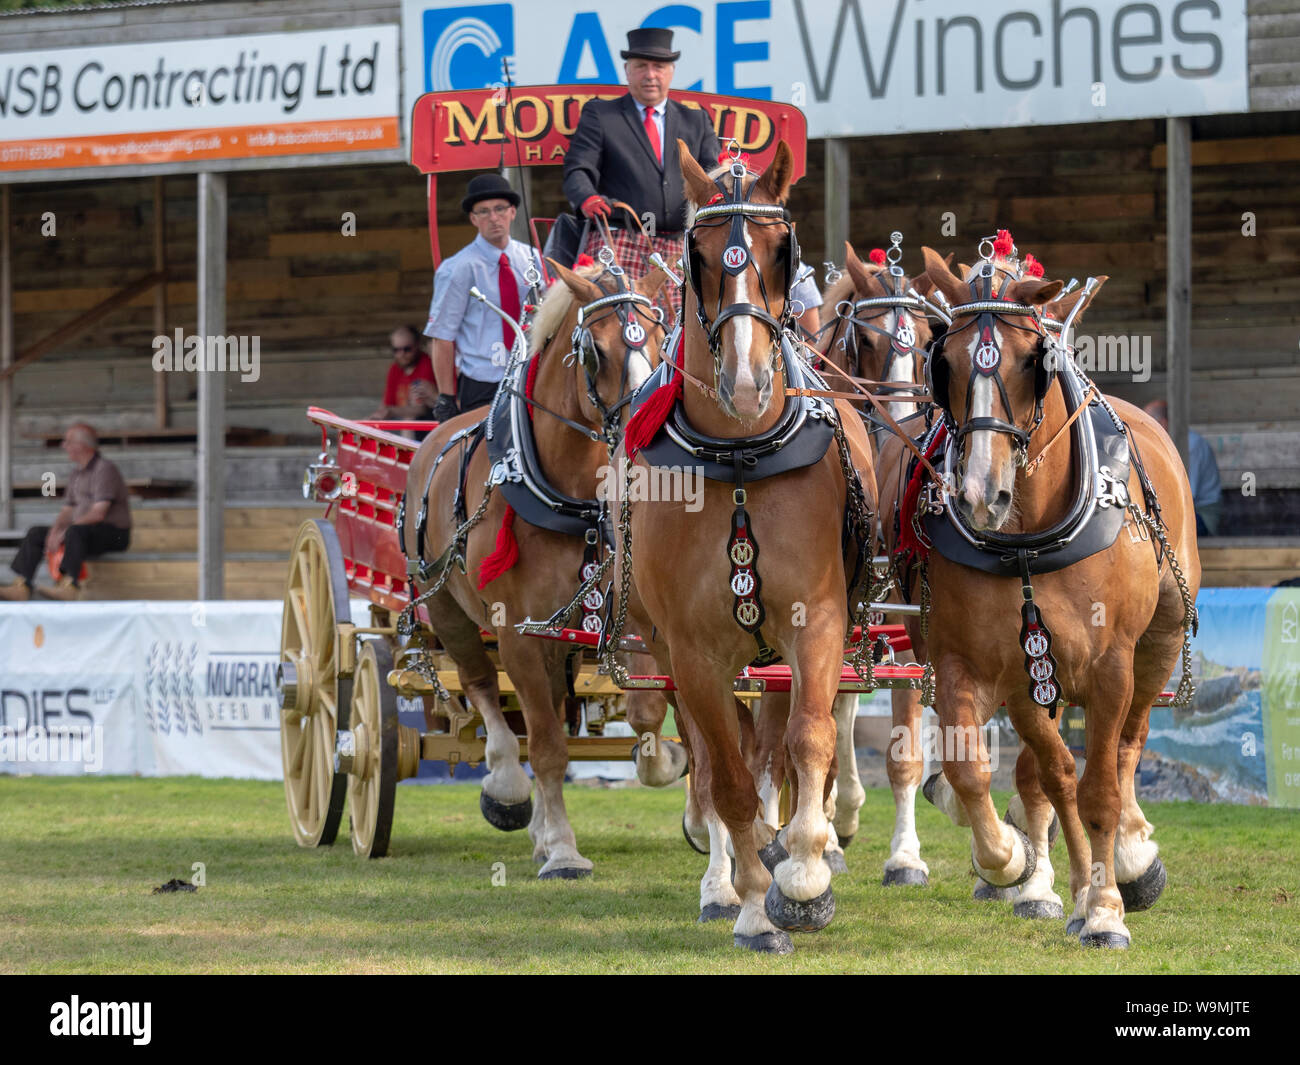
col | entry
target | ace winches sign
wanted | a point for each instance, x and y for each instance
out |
(217, 98)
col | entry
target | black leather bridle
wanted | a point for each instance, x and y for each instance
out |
(736, 259)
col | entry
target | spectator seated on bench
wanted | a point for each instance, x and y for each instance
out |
(95, 519)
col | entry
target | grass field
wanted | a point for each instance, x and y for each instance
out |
(79, 857)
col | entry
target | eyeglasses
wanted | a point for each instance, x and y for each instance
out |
(404, 347)
(489, 212)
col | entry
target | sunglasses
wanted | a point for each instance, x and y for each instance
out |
(404, 347)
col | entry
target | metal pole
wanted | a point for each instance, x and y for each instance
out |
(1178, 295)
(212, 383)
(521, 180)
(837, 198)
(6, 359)
(160, 295)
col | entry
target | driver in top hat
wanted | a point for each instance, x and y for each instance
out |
(626, 149)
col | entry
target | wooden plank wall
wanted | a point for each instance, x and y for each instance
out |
(1273, 29)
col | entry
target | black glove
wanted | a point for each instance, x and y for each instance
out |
(445, 409)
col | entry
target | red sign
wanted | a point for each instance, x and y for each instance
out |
(471, 128)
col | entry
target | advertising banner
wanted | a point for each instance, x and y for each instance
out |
(207, 98)
(860, 67)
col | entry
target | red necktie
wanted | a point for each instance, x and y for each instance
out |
(509, 298)
(652, 131)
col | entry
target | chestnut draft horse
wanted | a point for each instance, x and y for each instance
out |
(593, 341)
(1084, 528)
(879, 333)
(761, 567)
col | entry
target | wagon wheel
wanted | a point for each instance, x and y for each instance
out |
(313, 697)
(372, 767)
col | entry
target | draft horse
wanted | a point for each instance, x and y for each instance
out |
(760, 570)
(528, 474)
(1074, 511)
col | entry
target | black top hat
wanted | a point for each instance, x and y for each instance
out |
(488, 187)
(651, 43)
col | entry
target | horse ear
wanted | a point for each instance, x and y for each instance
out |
(857, 269)
(651, 283)
(1035, 292)
(923, 285)
(1060, 309)
(699, 189)
(942, 278)
(775, 180)
(585, 290)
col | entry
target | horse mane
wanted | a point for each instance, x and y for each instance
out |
(553, 309)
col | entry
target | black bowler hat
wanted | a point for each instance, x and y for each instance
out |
(488, 187)
(651, 44)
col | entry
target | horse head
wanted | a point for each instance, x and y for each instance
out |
(740, 258)
(615, 330)
(885, 327)
(990, 374)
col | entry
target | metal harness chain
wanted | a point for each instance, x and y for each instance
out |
(860, 516)
(1186, 689)
(609, 660)
(449, 553)
(927, 672)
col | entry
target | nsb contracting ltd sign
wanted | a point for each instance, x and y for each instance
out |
(865, 66)
(214, 98)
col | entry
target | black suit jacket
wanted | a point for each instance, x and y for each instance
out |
(610, 154)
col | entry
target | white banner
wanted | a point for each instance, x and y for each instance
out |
(220, 97)
(860, 67)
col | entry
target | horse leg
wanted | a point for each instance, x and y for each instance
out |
(1031, 808)
(718, 898)
(1002, 855)
(1138, 868)
(800, 898)
(731, 793)
(541, 694)
(658, 762)
(768, 761)
(506, 796)
(1099, 798)
(849, 795)
(905, 763)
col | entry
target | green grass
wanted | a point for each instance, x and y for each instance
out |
(79, 857)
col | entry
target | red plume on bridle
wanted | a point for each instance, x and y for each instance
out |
(877, 256)
(1032, 267)
(1003, 246)
(584, 260)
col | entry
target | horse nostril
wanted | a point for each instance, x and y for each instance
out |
(1003, 500)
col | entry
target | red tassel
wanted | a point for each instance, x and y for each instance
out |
(651, 415)
(877, 256)
(506, 553)
(584, 260)
(1033, 268)
(1004, 245)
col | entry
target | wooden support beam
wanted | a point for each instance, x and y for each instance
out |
(837, 198)
(65, 334)
(211, 411)
(7, 430)
(159, 295)
(1178, 299)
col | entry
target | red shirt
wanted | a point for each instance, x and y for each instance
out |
(397, 390)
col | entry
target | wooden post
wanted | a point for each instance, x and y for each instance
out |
(212, 384)
(159, 296)
(837, 199)
(6, 358)
(1178, 293)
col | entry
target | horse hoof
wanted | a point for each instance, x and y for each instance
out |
(986, 892)
(715, 912)
(773, 855)
(507, 818)
(686, 832)
(1039, 909)
(835, 859)
(1075, 926)
(795, 916)
(1107, 940)
(906, 877)
(564, 872)
(845, 841)
(1031, 860)
(766, 943)
(1141, 894)
(927, 789)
